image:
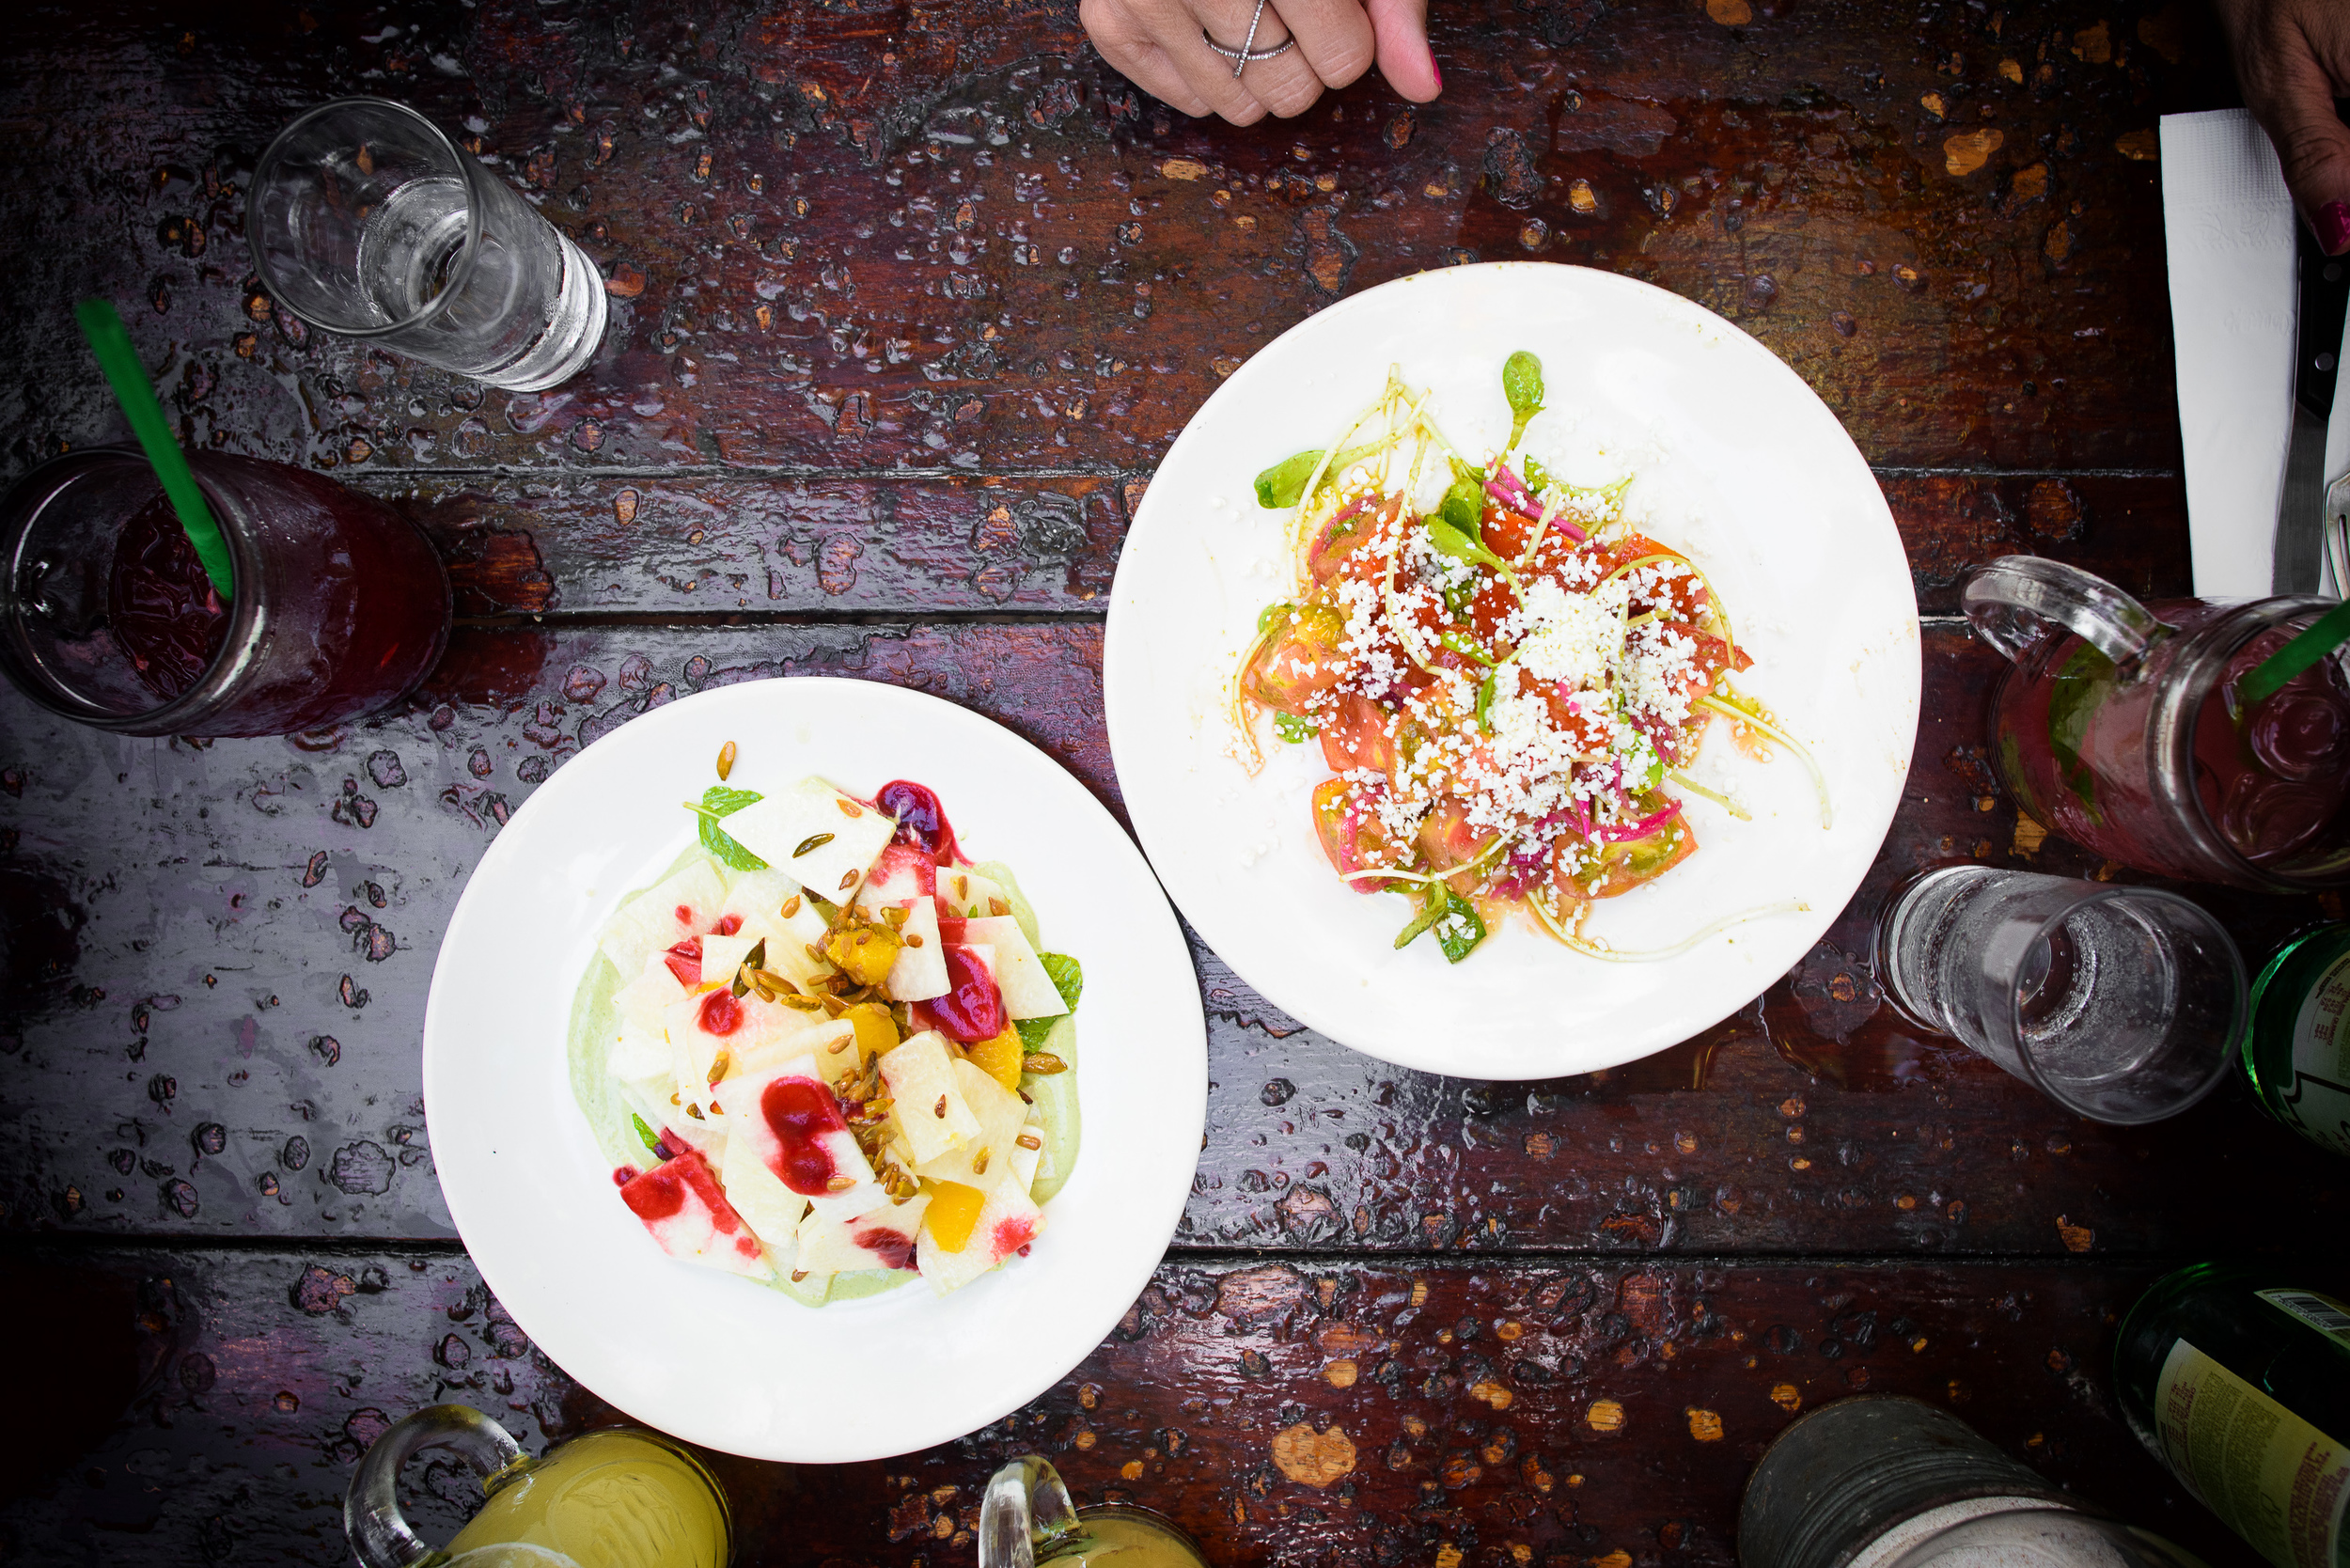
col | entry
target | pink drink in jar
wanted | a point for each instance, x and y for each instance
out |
(2122, 727)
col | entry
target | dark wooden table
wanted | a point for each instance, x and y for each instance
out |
(907, 300)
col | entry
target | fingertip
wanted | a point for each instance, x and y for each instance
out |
(2331, 224)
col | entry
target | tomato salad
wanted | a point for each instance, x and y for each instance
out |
(1508, 689)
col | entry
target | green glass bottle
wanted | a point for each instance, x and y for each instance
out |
(2239, 1381)
(2296, 1054)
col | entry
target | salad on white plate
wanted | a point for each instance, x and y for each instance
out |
(824, 1052)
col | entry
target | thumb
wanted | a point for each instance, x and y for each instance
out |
(2314, 145)
(1405, 60)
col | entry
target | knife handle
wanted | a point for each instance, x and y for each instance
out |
(2324, 292)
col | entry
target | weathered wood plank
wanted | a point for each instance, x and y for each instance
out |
(704, 543)
(1511, 1413)
(946, 237)
(179, 1018)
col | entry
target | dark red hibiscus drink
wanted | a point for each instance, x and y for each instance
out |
(2122, 727)
(339, 605)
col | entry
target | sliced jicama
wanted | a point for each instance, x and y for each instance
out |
(717, 1023)
(1028, 991)
(903, 871)
(919, 971)
(643, 1000)
(793, 1123)
(925, 1100)
(680, 1203)
(680, 905)
(770, 1208)
(987, 1157)
(724, 955)
(814, 833)
(638, 1052)
(1026, 1155)
(964, 893)
(1007, 1222)
(833, 1044)
(883, 1239)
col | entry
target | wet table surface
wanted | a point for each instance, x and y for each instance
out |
(907, 301)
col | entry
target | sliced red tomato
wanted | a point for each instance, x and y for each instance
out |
(1352, 837)
(1339, 549)
(1355, 736)
(1300, 660)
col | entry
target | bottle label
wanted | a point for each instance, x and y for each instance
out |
(2270, 1476)
(2321, 1312)
(2317, 1101)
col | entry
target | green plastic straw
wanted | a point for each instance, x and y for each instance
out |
(128, 377)
(2319, 639)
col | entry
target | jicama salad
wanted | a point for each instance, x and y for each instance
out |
(1508, 682)
(825, 1051)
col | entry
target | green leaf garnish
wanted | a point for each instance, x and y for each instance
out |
(1433, 901)
(717, 802)
(1295, 727)
(1069, 977)
(653, 1144)
(1485, 700)
(1284, 484)
(1451, 540)
(2081, 686)
(1522, 384)
(1537, 477)
(1459, 929)
(1466, 646)
(1458, 926)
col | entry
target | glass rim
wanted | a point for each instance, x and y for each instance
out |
(248, 625)
(2240, 1013)
(472, 171)
(2178, 710)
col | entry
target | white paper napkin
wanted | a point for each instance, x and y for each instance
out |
(2229, 229)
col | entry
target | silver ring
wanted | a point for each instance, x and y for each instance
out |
(1248, 54)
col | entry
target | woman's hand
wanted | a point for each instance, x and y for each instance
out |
(2292, 58)
(1158, 45)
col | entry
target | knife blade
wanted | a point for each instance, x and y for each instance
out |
(2324, 297)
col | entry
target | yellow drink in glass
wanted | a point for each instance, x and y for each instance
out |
(605, 1499)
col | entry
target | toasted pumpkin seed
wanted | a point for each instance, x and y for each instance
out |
(847, 807)
(791, 907)
(997, 906)
(836, 1047)
(848, 880)
(979, 1162)
(798, 1274)
(939, 1111)
(725, 761)
(696, 1112)
(1043, 1063)
(840, 1184)
(813, 842)
(1030, 1140)
(913, 939)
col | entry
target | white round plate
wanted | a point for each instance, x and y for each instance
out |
(1736, 463)
(721, 1361)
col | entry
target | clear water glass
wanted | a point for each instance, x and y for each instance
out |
(2121, 1004)
(367, 221)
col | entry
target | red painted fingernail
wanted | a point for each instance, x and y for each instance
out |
(1438, 72)
(2332, 224)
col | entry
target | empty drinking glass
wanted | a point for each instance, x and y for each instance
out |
(2121, 1004)
(367, 221)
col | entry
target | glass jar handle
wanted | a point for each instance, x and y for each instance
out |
(1024, 1506)
(2012, 602)
(371, 1517)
